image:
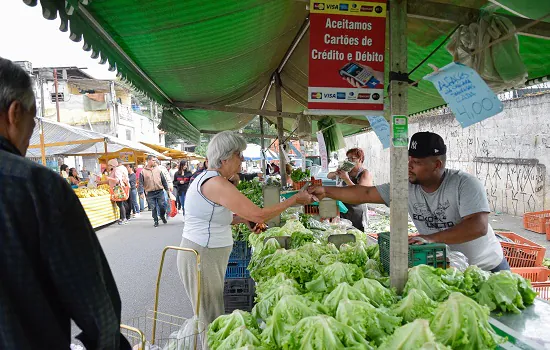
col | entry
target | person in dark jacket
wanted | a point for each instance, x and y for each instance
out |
(133, 203)
(199, 170)
(182, 178)
(53, 268)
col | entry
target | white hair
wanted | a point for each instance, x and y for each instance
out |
(15, 85)
(222, 147)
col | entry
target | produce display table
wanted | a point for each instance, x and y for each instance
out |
(528, 330)
(100, 210)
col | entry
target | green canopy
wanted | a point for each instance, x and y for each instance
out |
(224, 53)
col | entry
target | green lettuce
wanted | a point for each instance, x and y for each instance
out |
(343, 291)
(298, 239)
(376, 292)
(371, 323)
(501, 292)
(354, 253)
(239, 337)
(477, 276)
(456, 280)
(412, 336)
(265, 304)
(286, 314)
(427, 279)
(332, 275)
(414, 306)
(315, 251)
(528, 294)
(270, 284)
(324, 332)
(461, 323)
(292, 263)
(269, 248)
(224, 325)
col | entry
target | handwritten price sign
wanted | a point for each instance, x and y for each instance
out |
(468, 96)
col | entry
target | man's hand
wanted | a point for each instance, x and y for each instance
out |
(304, 198)
(317, 191)
(420, 240)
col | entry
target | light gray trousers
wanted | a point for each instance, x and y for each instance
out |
(213, 266)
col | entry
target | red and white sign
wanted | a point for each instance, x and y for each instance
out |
(346, 55)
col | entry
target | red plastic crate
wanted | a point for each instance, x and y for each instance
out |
(311, 209)
(534, 274)
(523, 252)
(298, 185)
(536, 221)
(543, 288)
(548, 230)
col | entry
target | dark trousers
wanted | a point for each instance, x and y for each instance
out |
(502, 266)
(156, 200)
(122, 209)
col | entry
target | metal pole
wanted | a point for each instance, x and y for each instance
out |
(398, 155)
(262, 142)
(42, 143)
(280, 128)
(56, 95)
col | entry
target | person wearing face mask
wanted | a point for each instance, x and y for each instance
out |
(447, 206)
(357, 213)
(210, 202)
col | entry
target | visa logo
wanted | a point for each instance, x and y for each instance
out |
(316, 96)
(344, 7)
(332, 6)
(341, 95)
(329, 96)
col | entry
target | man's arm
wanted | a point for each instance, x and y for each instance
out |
(351, 195)
(79, 271)
(140, 188)
(471, 227)
(164, 183)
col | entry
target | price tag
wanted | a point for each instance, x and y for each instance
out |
(322, 151)
(468, 96)
(381, 128)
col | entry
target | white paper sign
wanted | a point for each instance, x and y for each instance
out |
(322, 151)
(381, 128)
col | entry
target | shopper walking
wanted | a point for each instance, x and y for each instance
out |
(182, 177)
(119, 177)
(152, 184)
(133, 198)
(53, 268)
(168, 178)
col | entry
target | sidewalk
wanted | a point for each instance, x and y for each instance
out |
(499, 222)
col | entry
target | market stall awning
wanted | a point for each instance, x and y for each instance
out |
(169, 152)
(67, 140)
(195, 54)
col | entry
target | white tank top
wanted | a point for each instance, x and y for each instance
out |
(206, 223)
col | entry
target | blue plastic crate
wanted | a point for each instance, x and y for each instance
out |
(237, 269)
(241, 251)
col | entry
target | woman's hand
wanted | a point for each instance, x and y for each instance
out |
(304, 198)
(344, 175)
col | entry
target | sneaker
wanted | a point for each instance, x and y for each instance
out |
(126, 221)
(120, 222)
(156, 224)
(164, 221)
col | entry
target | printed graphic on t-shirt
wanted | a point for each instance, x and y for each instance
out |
(434, 220)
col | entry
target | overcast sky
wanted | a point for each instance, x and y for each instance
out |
(27, 36)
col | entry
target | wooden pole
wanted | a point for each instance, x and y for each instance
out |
(42, 144)
(262, 143)
(56, 85)
(280, 128)
(399, 155)
(105, 146)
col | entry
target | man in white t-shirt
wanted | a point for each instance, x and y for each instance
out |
(447, 206)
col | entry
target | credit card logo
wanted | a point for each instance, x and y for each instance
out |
(354, 8)
(352, 95)
(316, 96)
(318, 6)
(341, 95)
(365, 8)
(378, 9)
(344, 7)
(375, 96)
(363, 96)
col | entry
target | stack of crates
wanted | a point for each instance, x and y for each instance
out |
(239, 287)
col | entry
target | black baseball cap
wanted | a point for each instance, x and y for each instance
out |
(426, 144)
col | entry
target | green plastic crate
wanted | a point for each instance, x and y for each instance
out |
(433, 254)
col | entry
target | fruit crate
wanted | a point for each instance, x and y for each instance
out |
(543, 288)
(536, 221)
(239, 294)
(237, 269)
(522, 252)
(311, 209)
(432, 254)
(534, 274)
(241, 251)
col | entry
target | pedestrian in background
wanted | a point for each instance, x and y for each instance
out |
(152, 184)
(182, 177)
(53, 268)
(166, 174)
(133, 198)
(119, 177)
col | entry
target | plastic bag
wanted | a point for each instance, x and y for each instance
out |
(173, 209)
(500, 65)
(184, 338)
(457, 259)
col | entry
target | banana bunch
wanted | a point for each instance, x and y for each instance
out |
(90, 192)
(104, 187)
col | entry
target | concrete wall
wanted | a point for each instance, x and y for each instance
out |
(509, 153)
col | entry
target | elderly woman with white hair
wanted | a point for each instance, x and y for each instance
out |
(210, 203)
